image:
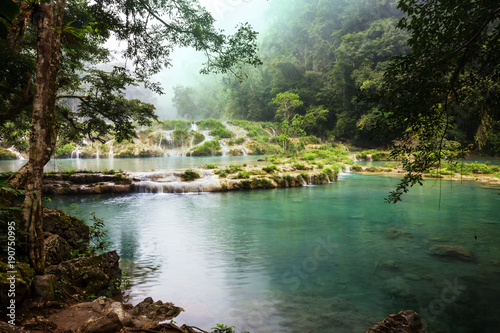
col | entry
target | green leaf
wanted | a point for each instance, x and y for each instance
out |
(8, 9)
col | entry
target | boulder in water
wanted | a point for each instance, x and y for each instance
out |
(452, 252)
(403, 322)
(393, 233)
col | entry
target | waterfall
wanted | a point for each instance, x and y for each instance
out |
(97, 153)
(18, 154)
(159, 143)
(150, 187)
(244, 151)
(224, 148)
(111, 150)
(76, 153)
(194, 127)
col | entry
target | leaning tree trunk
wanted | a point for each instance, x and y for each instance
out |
(43, 127)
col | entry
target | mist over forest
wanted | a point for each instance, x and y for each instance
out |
(326, 52)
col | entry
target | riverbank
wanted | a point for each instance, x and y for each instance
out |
(490, 180)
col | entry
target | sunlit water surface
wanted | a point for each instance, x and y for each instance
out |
(330, 258)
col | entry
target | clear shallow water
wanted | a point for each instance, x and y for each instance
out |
(312, 259)
(133, 164)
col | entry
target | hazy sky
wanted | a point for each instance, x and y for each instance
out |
(187, 62)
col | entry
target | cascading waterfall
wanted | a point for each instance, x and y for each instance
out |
(224, 148)
(75, 154)
(110, 154)
(194, 127)
(171, 182)
(18, 154)
(159, 142)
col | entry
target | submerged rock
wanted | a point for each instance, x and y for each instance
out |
(393, 233)
(403, 322)
(452, 252)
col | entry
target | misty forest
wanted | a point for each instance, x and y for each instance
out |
(232, 166)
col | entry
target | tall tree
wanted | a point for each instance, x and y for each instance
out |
(450, 80)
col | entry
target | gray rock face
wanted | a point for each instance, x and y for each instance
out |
(44, 287)
(403, 322)
(57, 249)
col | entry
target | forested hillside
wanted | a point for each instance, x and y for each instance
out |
(326, 52)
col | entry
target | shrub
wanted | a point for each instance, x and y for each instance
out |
(356, 167)
(376, 155)
(309, 156)
(169, 125)
(239, 140)
(300, 166)
(331, 175)
(243, 175)
(190, 174)
(64, 151)
(6, 154)
(270, 168)
(256, 173)
(180, 136)
(198, 138)
(209, 124)
(222, 133)
(234, 168)
(210, 166)
(222, 173)
(372, 169)
(209, 148)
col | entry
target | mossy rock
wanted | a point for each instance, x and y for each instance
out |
(90, 276)
(23, 278)
(71, 229)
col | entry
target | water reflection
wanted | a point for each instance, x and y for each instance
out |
(330, 258)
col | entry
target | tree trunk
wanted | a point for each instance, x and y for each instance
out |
(43, 134)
